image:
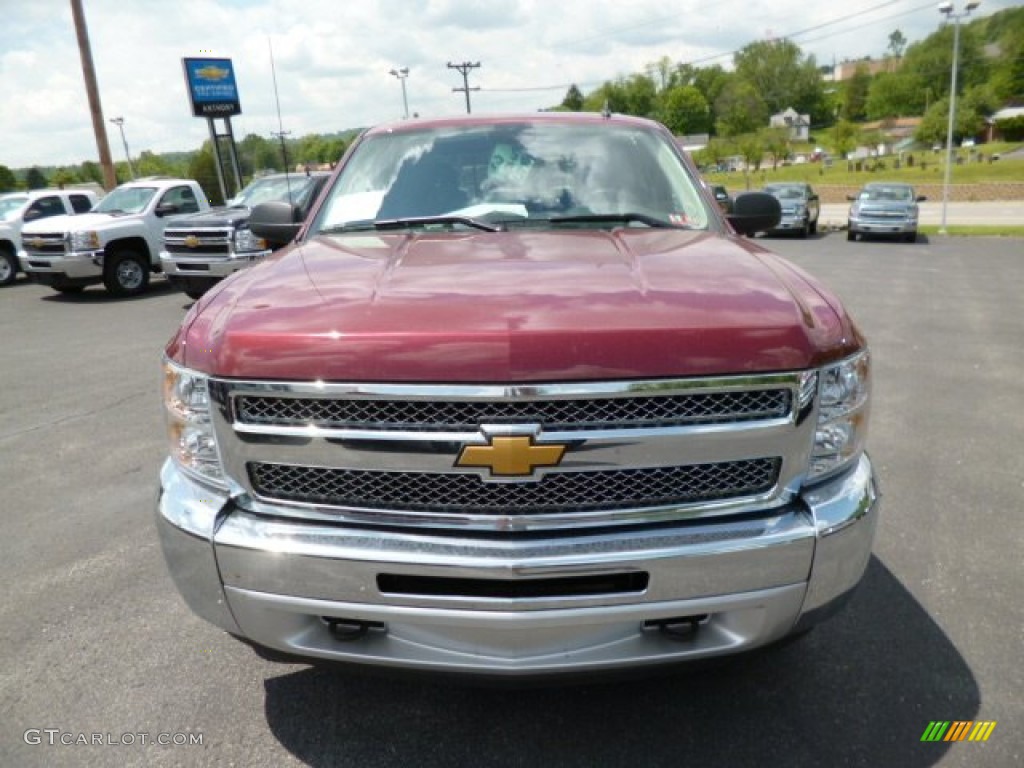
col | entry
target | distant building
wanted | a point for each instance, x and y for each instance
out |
(846, 69)
(694, 142)
(992, 132)
(799, 125)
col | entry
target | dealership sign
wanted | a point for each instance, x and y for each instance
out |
(211, 87)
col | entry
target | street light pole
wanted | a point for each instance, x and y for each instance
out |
(401, 74)
(119, 122)
(947, 9)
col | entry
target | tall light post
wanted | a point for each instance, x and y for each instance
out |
(401, 74)
(119, 122)
(946, 8)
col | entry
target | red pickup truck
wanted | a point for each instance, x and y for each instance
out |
(518, 399)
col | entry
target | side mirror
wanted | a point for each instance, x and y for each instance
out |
(166, 209)
(851, 198)
(276, 222)
(921, 198)
(754, 212)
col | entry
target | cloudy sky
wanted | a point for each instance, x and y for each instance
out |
(333, 57)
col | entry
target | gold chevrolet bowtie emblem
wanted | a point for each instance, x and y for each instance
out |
(191, 241)
(511, 456)
(36, 242)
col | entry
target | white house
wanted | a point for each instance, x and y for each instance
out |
(799, 125)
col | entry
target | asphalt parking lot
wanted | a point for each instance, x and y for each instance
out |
(97, 643)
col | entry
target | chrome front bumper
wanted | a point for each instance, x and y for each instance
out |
(209, 266)
(79, 265)
(882, 226)
(738, 584)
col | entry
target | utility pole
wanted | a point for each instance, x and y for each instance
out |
(93, 92)
(401, 74)
(464, 68)
(119, 122)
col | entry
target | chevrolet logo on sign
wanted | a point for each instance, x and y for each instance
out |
(191, 241)
(511, 456)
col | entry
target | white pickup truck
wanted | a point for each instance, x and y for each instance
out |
(19, 208)
(117, 243)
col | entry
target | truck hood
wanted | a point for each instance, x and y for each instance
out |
(221, 217)
(514, 306)
(66, 223)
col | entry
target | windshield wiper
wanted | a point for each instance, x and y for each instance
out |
(418, 221)
(603, 218)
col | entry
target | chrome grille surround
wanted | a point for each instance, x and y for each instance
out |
(211, 241)
(634, 453)
(49, 244)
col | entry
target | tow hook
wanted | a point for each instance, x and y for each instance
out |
(678, 627)
(347, 630)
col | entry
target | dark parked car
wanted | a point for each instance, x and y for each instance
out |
(884, 208)
(800, 208)
(722, 197)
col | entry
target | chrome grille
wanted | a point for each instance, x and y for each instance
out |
(636, 451)
(561, 492)
(216, 241)
(562, 415)
(49, 243)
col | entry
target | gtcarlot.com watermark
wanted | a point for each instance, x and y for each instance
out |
(57, 737)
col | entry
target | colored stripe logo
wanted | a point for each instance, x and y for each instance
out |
(958, 730)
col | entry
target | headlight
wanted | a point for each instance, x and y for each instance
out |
(245, 241)
(844, 391)
(88, 240)
(193, 444)
(799, 209)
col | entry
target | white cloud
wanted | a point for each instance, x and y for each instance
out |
(332, 58)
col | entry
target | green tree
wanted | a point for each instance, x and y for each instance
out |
(334, 148)
(62, 177)
(1005, 32)
(610, 94)
(844, 137)
(784, 77)
(752, 151)
(684, 110)
(257, 154)
(8, 182)
(775, 142)
(203, 168)
(934, 127)
(573, 100)
(895, 94)
(149, 164)
(641, 96)
(34, 178)
(897, 42)
(1012, 128)
(91, 171)
(740, 109)
(855, 93)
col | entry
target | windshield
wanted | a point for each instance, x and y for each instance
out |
(126, 200)
(785, 192)
(524, 174)
(295, 190)
(891, 194)
(10, 205)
